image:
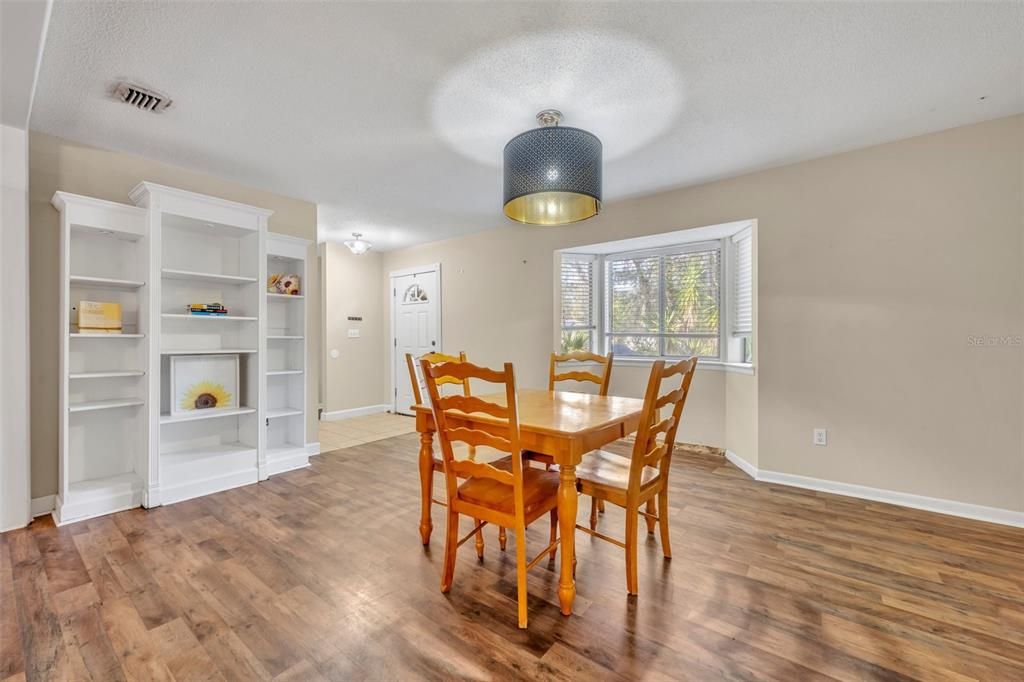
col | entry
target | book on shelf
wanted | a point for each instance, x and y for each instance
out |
(206, 309)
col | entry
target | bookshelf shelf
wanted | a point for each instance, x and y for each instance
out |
(88, 335)
(280, 412)
(206, 351)
(89, 406)
(113, 374)
(169, 273)
(284, 297)
(209, 318)
(104, 282)
(283, 372)
(213, 413)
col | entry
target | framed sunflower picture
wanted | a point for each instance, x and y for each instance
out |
(203, 382)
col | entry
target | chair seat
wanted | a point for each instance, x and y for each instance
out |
(540, 489)
(608, 470)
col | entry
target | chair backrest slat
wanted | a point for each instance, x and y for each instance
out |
(479, 438)
(578, 375)
(470, 404)
(655, 437)
(469, 469)
(451, 418)
(433, 358)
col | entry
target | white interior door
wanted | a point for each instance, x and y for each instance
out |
(416, 321)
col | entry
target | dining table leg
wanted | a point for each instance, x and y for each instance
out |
(567, 503)
(426, 483)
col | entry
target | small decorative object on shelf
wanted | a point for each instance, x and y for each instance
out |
(203, 382)
(283, 284)
(99, 318)
(206, 309)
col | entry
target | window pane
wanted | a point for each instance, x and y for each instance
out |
(633, 345)
(633, 295)
(691, 292)
(685, 346)
(577, 293)
(574, 340)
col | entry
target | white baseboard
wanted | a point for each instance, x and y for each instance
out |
(742, 464)
(41, 506)
(312, 449)
(208, 486)
(338, 415)
(964, 510)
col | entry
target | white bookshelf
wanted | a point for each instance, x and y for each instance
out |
(206, 250)
(104, 385)
(121, 444)
(286, 358)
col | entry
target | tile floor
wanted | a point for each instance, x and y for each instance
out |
(335, 435)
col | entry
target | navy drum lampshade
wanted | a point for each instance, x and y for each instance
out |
(552, 174)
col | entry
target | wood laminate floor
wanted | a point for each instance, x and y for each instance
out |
(319, 574)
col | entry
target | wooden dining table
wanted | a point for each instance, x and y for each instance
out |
(561, 424)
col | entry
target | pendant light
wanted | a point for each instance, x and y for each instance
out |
(358, 245)
(552, 173)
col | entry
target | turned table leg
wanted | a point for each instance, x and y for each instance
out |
(426, 484)
(567, 503)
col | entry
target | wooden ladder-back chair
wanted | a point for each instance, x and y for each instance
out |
(509, 495)
(555, 376)
(637, 481)
(427, 477)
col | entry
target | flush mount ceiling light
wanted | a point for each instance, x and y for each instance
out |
(358, 246)
(552, 173)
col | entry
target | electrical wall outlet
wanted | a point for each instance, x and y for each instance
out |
(820, 437)
(353, 333)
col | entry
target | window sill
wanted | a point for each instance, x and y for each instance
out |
(711, 365)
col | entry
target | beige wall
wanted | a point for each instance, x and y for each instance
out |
(56, 164)
(875, 268)
(357, 378)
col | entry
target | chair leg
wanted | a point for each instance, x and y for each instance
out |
(649, 518)
(666, 545)
(554, 533)
(600, 506)
(451, 545)
(479, 541)
(593, 513)
(632, 524)
(502, 538)
(521, 574)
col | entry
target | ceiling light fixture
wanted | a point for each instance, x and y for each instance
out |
(358, 245)
(552, 173)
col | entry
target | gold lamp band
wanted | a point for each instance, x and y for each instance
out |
(552, 208)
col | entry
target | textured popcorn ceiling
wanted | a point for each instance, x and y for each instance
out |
(392, 116)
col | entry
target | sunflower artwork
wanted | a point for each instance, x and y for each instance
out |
(203, 382)
(205, 395)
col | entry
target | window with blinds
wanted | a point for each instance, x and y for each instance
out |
(664, 304)
(741, 299)
(578, 318)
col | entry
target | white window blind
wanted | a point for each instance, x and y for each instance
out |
(741, 302)
(578, 322)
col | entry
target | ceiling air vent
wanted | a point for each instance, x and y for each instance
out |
(141, 98)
